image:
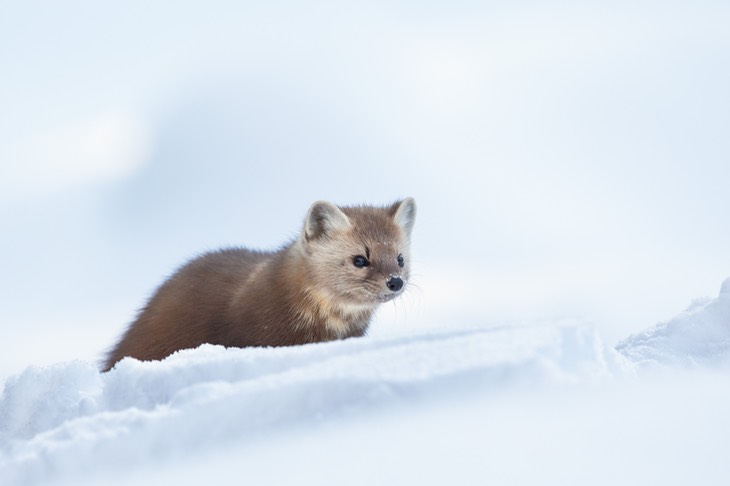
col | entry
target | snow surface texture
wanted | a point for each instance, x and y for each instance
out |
(428, 404)
(698, 336)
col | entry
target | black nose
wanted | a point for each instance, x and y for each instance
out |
(394, 284)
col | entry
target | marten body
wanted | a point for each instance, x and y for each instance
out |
(325, 285)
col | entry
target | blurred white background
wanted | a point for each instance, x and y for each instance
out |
(570, 159)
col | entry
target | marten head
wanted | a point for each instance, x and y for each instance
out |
(359, 255)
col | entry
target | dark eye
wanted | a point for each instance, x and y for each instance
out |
(401, 262)
(360, 261)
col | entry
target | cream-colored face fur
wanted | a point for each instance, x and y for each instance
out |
(359, 256)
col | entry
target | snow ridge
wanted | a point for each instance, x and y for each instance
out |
(59, 416)
(699, 336)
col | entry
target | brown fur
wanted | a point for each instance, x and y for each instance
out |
(308, 291)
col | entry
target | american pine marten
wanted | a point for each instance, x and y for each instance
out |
(324, 285)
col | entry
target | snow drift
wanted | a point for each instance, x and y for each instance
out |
(70, 424)
(698, 336)
(57, 416)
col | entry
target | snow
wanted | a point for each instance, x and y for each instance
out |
(699, 335)
(545, 402)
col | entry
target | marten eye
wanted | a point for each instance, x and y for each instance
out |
(360, 261)
(401, 262)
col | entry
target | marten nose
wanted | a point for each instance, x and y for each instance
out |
(394, 284)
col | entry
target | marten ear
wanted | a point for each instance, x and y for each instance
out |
(404, 214)
(322, 218)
